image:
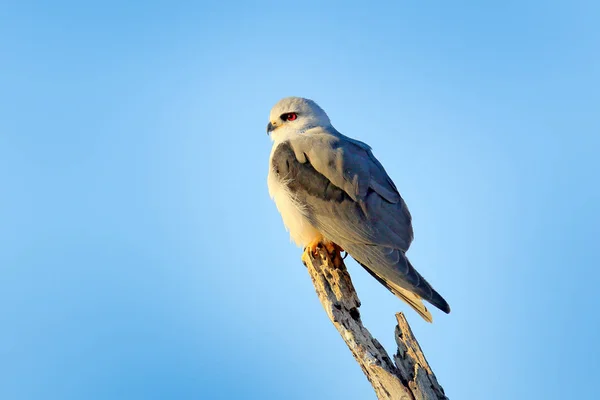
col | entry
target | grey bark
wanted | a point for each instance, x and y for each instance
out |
(409, 376)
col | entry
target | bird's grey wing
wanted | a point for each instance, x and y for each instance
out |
(348, 196)
(351, 166)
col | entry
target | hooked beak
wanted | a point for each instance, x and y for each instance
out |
(270, 128)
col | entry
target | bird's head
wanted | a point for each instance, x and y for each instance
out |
(295, 115)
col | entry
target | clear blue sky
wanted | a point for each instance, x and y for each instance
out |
(140, 254)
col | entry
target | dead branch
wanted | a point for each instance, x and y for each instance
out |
(410, 377)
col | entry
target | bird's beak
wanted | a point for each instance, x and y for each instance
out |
(270, 128)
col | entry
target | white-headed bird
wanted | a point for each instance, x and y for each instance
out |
(330, 189)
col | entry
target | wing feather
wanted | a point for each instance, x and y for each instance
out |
(348, 196)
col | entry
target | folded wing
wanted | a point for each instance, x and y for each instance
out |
(348, 196)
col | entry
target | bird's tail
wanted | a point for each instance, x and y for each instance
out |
(394, 271)
(412, 294)
(410, 298)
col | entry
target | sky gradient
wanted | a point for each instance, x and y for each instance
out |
(141, 256)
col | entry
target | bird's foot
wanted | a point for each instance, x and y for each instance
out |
(333, 250)
(314, 245)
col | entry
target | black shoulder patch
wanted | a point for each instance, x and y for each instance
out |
(299, 177)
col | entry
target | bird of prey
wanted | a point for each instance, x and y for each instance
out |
(330, 189)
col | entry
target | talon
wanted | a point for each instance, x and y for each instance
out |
(315, 252)
(314, 246)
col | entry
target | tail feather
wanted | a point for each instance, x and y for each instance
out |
(410, 298)
(430, 294)
(392, 269)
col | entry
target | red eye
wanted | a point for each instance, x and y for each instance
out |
(289, 116)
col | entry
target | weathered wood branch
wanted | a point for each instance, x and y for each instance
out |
(410, 377)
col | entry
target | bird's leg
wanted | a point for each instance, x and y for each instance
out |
(313, 246)
(333, 250)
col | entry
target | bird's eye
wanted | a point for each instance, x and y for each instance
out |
(289, 116)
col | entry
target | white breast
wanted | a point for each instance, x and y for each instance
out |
(294, 219)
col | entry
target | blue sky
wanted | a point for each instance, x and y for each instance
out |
(141, 257)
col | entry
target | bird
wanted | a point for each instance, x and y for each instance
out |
(331, 190)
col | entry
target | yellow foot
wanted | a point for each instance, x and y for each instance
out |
(333, 250)
(313, 246)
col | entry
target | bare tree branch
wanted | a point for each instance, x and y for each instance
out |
(410, 377)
